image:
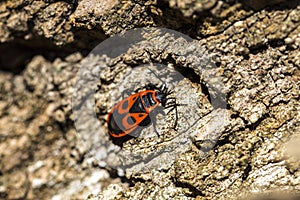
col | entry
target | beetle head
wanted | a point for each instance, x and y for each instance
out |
(161, 97)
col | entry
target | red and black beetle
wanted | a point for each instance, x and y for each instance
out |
(133, 113)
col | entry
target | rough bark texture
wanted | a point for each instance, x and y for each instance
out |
(255, 45)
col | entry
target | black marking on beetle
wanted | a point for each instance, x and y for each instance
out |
(137, 107)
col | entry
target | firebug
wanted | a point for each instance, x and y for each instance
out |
(134, 112)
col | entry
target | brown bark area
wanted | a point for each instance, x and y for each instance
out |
(255, 45)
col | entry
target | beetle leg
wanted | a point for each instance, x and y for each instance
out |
(173, 105)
